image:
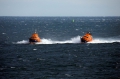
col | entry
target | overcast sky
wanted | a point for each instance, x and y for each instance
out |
(59, 7)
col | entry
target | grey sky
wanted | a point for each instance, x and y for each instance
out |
(59, 7)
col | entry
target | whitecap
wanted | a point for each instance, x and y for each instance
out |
(34, 49)
(22, 42)
(3, 33)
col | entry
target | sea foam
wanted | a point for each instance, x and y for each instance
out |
(71, 40)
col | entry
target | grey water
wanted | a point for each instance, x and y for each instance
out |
(60, 55)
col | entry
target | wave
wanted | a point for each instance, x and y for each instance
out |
(72, 40)
(49, 41)
(22, 42)
(105, 40)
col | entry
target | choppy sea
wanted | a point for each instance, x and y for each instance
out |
(60, 55)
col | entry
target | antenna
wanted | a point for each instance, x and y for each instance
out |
(35, 31)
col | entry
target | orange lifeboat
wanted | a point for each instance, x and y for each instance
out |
(86, 38)
(34, 38)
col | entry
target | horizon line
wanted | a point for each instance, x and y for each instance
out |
(60, 16)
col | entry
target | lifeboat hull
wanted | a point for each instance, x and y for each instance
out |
(83, 40)
(34, 38)
(86, 38)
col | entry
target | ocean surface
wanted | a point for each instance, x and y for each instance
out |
(60, 55)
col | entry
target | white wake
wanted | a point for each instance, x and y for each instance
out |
(71, 40)
(104, 40)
